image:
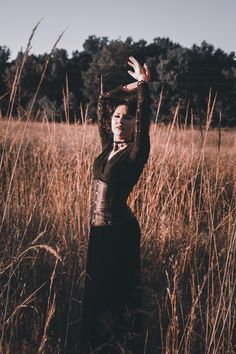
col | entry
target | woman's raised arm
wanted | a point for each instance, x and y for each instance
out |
(141, 145)
(141, 135)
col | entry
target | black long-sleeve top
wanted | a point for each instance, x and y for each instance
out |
(115, 178)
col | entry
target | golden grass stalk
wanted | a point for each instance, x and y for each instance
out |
(184, 201)
(17, 78)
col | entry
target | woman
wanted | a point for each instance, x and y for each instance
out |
(112, 296)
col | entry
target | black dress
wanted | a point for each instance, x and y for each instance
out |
(112, 294)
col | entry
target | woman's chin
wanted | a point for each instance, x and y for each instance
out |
(120, 137)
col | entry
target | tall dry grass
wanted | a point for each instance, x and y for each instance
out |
(185, 203)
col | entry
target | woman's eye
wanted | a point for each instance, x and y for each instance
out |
(125, 117)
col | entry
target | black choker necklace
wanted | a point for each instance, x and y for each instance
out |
(117, 145)
(123, 142)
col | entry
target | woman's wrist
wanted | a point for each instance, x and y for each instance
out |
(142, 78)
(133, 86)
(140, 82)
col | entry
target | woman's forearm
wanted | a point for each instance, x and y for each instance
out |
(131, 87)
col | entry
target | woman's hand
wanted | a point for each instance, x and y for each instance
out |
(139, 73)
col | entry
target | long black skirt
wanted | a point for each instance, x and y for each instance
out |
(112, 294)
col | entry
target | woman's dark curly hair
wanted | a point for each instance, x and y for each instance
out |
(130, 102)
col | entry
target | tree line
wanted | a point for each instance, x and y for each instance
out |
(180, 76)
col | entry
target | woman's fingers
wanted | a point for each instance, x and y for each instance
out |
(134, 61)
(131, 64)
(138, 69)
(132, 74)
(131, 58)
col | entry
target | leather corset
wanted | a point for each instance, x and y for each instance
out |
(108, 206)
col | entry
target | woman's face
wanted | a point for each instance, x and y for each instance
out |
(122, 124)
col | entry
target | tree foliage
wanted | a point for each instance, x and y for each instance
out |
(185, 76)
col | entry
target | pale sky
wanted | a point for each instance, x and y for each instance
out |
(183, 21)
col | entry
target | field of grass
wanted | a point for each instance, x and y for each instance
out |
(185, 203)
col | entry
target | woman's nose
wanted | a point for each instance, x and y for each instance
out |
(122, 119)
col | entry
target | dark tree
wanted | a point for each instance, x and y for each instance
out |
(185, 76)
(4, 63)
(110, 64)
